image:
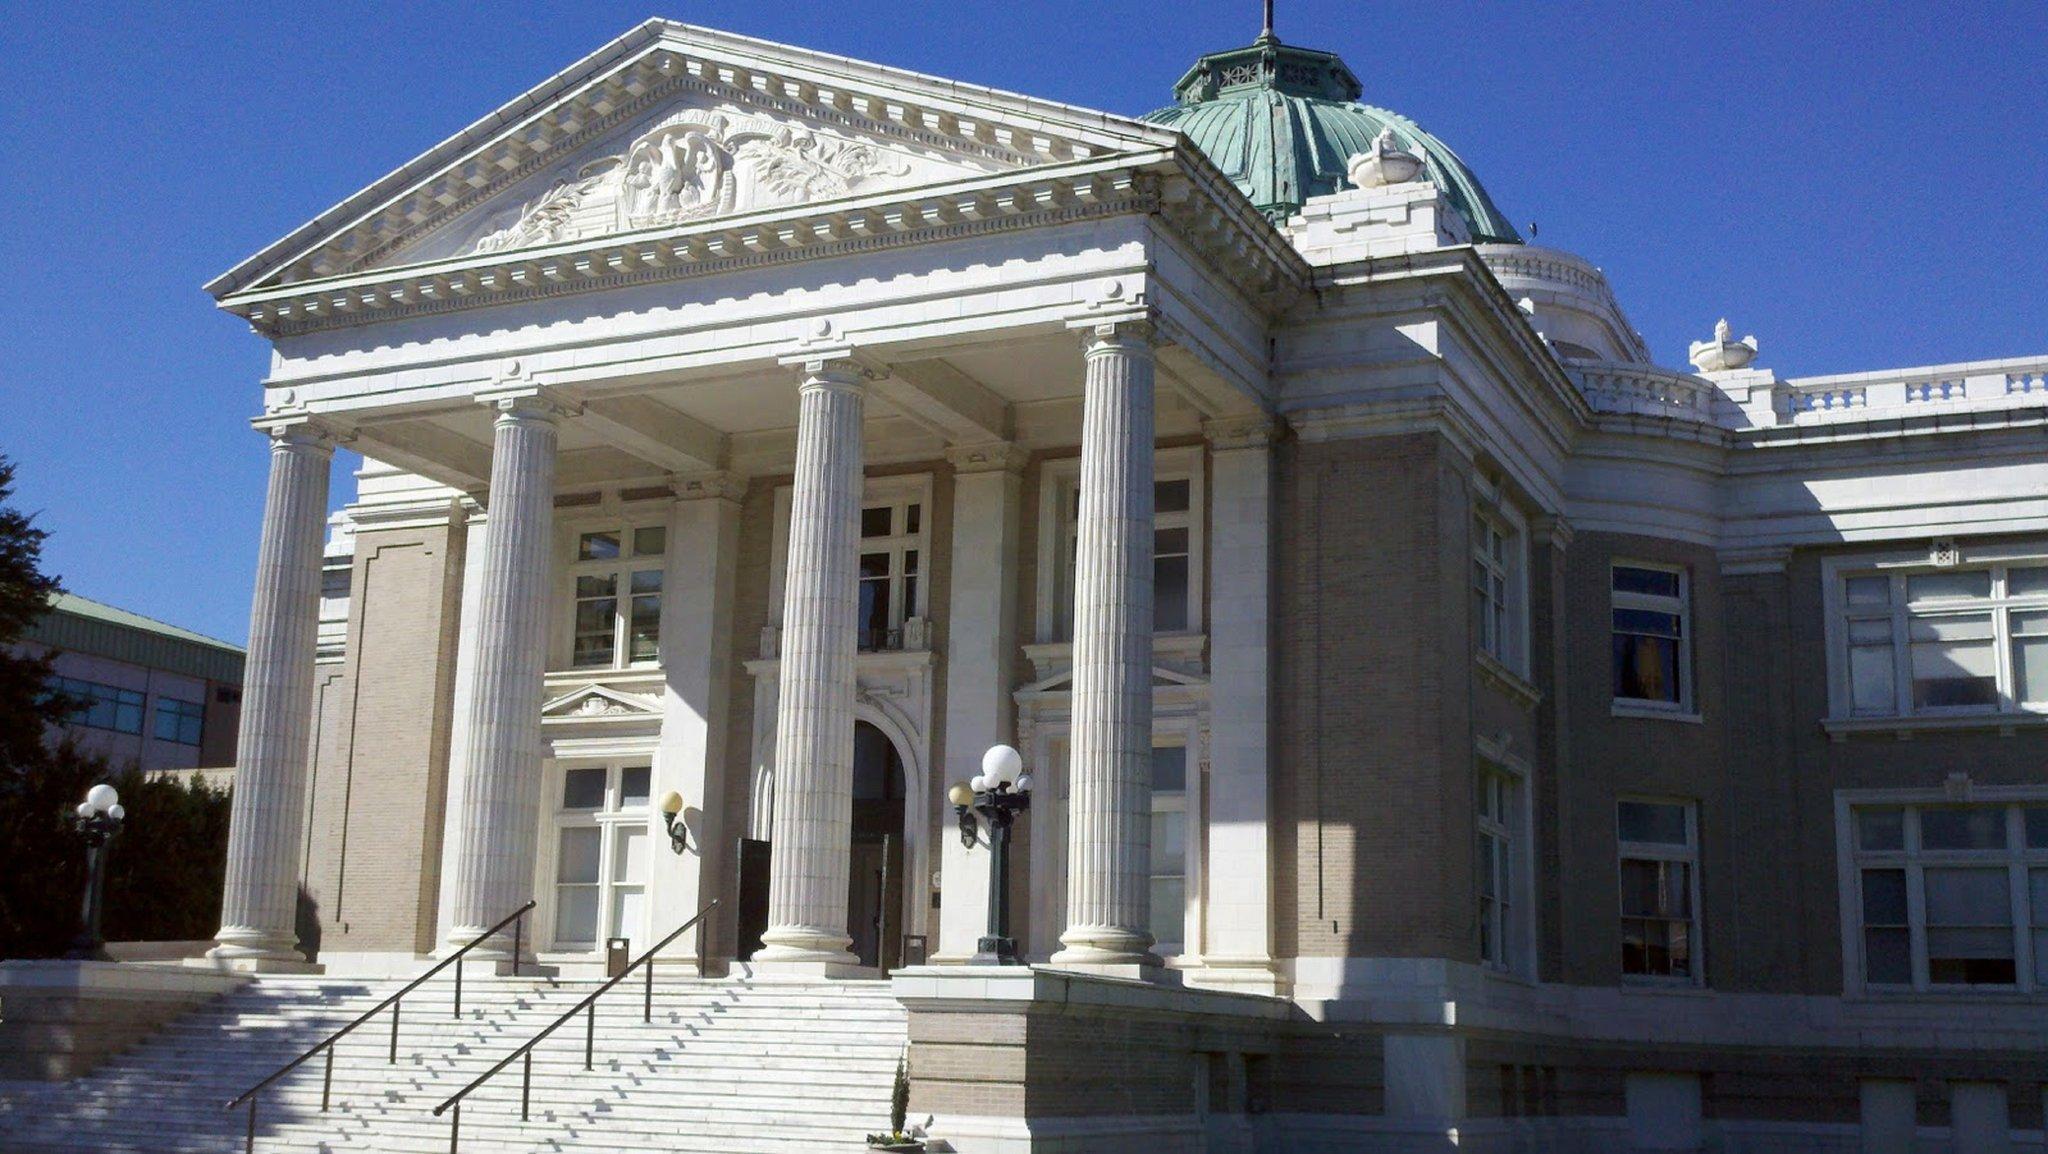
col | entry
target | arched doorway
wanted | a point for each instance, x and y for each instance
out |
(874, 891)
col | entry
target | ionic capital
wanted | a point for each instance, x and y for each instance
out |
(302, 432)
(523, 400)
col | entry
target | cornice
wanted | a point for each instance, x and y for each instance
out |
(983, 207)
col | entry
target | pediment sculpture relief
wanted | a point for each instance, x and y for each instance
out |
(693, 165)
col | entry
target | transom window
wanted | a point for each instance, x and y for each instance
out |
(1494, 868)
(103, 706)
(1952, 896)
(1652, 645)
(1169, 849)
(1659, 889)
(892, 554)
(1499, 614)
(1931, 642)
(600, 856)
(617, 575)
(179, 721)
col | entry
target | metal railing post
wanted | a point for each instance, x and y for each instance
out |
(526, 1088)
(392, 1060)
(518, 940)
(249, 1146)
(327, 1080)
(647, 1002)
(590, 1034)
(455, 1130)
(458, 989)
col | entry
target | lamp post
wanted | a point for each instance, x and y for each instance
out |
(999, 794)
(99, 819)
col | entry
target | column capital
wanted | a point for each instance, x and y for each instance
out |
(302, 430)
(719, 485)
(1551, 529)
(1124, 333)
(988, 457)
(523, 399)
(1241, 431)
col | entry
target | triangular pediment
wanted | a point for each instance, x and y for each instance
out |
(598, 702)
(671, 126)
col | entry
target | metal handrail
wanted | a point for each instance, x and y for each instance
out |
(327, 1044)
(589, 1029)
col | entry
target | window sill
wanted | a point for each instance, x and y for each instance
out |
(1906, 728)
(1655, 712)
(1510, 682)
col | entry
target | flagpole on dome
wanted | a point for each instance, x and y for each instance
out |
(1267, 34)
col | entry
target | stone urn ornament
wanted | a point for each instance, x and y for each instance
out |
(1384, 164)
(1724, 353)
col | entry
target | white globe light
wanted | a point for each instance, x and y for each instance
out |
(979, 784)
(117, 812)
(1002, 763)
(85, 809)
(101, 797)
(1024, 783)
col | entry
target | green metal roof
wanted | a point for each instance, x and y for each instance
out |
(78, 625)
(1282, 122)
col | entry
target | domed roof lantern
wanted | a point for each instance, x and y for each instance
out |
(1283, 122)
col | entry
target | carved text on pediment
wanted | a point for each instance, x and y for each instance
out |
(696, 164)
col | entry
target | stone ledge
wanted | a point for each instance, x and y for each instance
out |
(59, 1019)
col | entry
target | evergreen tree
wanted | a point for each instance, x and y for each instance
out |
(25, 592)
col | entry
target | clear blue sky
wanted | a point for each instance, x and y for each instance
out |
(1862, 186)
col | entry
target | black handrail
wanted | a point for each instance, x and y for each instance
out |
(327, 1044)
(589, 1029)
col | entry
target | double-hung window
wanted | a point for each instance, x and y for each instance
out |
(1934, 642)
(1659, 890)
(1952, 896)
(1494, 867)
(1169, 848)
(100, 706)
(1652, 642)
(892, 556)
(1176, 549)
(617, 574)
(179, 721)
(1499, 601)
(600, 862)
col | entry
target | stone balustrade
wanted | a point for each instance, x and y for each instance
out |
(1755, 399)
(1612, 387)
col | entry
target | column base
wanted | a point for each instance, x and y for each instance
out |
(807, 952)
(251, 964)
(249, 952)
(1110, 951)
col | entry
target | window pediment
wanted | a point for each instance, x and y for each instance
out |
(599, 703)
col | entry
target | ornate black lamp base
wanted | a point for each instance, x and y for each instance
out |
(996, 952)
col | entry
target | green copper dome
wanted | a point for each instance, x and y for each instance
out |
(1282, 122)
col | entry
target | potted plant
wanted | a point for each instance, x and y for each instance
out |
(899, 1105)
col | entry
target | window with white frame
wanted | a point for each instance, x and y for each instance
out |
(1177, 528)
(1652, 644)
(1499, 602)
(1952, 896)
(1494, 867)
(616, 574)
(98, 706)
(1659, 889)
(180, 721)
(892, 555)
(600, 855)
(1169, 848)
(1930, 642)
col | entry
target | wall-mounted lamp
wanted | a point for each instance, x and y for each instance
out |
(672, 816)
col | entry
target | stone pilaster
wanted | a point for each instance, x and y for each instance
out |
(259, 902)
(813, 819)
(497, 825)
(981, 649)
(1238, 950)
(1110, 764)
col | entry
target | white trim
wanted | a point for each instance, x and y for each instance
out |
(1683, 708)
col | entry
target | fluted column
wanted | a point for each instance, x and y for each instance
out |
(497, 823)
(259, 901)
(813, 821)
(1109, 769)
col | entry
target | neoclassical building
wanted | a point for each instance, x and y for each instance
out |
(1449, 725)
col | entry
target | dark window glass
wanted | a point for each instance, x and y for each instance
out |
(875, 522)
(597, 546)
(633, 784)
(1643, 821)
(583, 789)
(1645, 667)
(1170, 496)
(1653, 582)
(1169, 769)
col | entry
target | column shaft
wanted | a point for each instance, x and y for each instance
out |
(259, 902)
(498, 823)
(813, 820)
(1109, 772)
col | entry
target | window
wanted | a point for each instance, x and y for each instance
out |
(1651, 658)
(1176, 530)
(1659, 890)
(1494, 869)
(617, 616)
(100, 706)
(1499, 623)
(600, 859)
(892, 557)
(1952, 896)
(1169, 868)
(1933, 642)
(179, 721)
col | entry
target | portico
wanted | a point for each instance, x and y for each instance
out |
(559, 370)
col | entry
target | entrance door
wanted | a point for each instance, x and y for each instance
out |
(874, 890)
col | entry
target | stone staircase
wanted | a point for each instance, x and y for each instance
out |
(727, 1065)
